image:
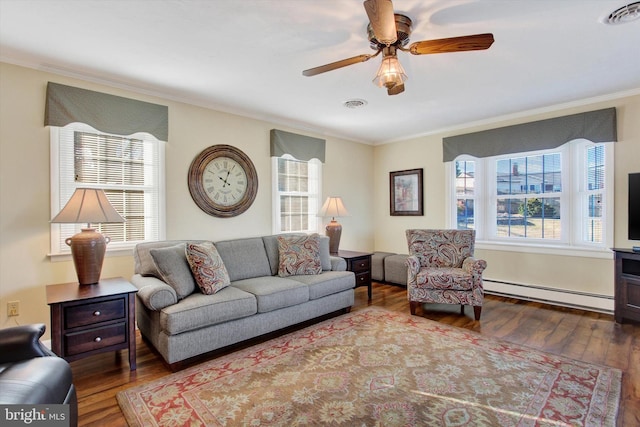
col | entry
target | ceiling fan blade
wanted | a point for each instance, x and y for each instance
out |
(452, 44)
(338, 64)
(383, 20)
(394, 90)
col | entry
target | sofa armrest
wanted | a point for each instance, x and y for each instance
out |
(338, 263)
(154, 293)
(22, 342)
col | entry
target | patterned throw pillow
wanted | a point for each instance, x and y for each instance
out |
(208, 269)
(299, 255)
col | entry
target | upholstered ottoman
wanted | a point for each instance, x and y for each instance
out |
(395, 269)
(377, 265)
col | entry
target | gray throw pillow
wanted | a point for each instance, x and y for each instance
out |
(174, 269)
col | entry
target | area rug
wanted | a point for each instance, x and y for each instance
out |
(379, 368)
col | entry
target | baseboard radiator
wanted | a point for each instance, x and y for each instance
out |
(554, 296)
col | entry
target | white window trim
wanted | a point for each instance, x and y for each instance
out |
(113, 249)
(275, 200)
(566, 247)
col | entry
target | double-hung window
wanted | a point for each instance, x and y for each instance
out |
(296, 194)
(466, 193)
(528, 195)
(558, 197)
(128, 169)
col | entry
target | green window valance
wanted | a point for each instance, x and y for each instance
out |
(299, 146)
(596, 126)
(104, 112)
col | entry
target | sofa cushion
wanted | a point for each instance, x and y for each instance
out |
(299, 255)
(444, 278)
(199, 310)
(207, 267)
(274, 292)
(173, 268)
(271, 246)
(327, 283)
(244, 258)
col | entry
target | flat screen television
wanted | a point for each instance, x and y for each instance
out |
(634, 206)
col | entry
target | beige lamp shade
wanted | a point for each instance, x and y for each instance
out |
(333, 207)
(88, 205)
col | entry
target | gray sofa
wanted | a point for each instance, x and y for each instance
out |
(181, 324)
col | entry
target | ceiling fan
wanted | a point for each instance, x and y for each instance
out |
(389, 32)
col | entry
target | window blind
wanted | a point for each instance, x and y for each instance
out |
(127, 169)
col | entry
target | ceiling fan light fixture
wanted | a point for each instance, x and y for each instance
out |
(390, 73)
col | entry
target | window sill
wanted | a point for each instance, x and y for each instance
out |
(573, 251)
(62, 257)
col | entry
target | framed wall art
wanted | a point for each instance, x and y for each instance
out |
(405, 189)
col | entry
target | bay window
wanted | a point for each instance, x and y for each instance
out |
(560, 197)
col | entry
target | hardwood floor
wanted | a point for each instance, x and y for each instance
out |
(577, 334)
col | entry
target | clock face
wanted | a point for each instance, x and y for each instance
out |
(223, 181)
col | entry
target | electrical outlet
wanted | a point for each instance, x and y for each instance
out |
(13, 308)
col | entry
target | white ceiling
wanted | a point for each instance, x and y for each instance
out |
(247, 57)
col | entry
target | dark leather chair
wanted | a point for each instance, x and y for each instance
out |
(31, 374)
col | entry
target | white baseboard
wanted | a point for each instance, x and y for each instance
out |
(561, 297)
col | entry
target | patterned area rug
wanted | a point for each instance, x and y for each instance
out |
(380, 368)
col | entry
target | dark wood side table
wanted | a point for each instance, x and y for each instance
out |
(92, 319)
(360, 264)
(627, 285)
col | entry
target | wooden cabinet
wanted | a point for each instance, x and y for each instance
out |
(91, 319)
(627, 285)
(360, 264)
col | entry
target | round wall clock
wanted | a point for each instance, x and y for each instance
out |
(223, 181)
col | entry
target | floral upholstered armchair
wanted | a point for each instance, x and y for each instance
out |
(442, 269)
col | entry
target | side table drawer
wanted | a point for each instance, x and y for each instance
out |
(359, 265)
(94, 339)
(88, 314)
(363, 278)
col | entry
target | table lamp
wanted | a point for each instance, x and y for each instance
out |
(333, 207)
(88, 205)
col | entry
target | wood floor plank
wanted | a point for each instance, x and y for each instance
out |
(572, 333)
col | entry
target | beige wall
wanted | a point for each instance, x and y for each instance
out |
(580, 274)
(357, 172)
(25, 268)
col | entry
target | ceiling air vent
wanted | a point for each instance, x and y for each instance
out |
(354, 103)
(624, 14)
